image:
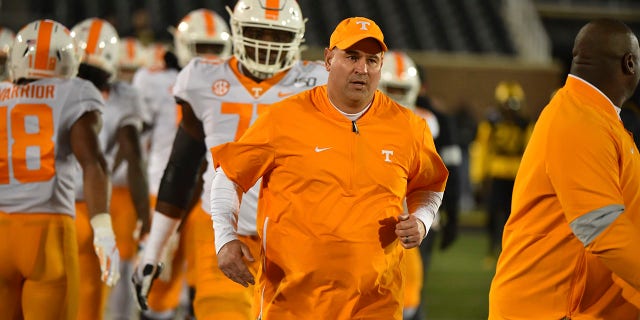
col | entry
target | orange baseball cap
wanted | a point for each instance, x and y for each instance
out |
(351, 30)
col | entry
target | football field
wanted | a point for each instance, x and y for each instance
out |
(457, 285)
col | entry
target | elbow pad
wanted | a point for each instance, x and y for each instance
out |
(181, 174)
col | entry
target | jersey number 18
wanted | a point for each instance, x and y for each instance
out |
(29, 148)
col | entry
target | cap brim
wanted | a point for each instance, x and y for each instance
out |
(350, 41)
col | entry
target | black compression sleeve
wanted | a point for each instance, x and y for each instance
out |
(180, 176)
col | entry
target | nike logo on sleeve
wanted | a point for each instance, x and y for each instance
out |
(284, 94)
(322, 149)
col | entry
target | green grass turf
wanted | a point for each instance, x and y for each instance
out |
(457, 284)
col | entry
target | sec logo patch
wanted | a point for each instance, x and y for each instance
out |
(220, 87)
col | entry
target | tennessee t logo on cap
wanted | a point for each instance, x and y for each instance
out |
(363, 25)
(351, 30)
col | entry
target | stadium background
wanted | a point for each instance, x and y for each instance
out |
(466, 46)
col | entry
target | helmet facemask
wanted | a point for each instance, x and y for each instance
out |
(100, 46)
(6, 41)
(201, 33)
(208, 49)
(400, 93)
(509, 96)
(399, 79)
(3, 65)
(266, 40)
(133, 55)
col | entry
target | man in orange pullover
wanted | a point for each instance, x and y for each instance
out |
(570, 246)
(336, 162)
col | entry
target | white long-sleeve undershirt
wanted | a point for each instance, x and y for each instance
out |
(226, 196)
(424, 205)
(225, 204)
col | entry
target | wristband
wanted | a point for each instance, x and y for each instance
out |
(101, 225)
(162, 227)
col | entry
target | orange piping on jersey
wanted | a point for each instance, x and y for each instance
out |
(400, 66)
(178, 115)
(272, 12)
(94, 36)
(159, 53)
(250, 85)
(209, 23)
(131, 49)
(39, 74)
(43, 45)
(4, 151)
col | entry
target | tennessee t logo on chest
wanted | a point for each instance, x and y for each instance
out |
(257, 91)
(387, 155)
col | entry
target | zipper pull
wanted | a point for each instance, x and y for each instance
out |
(354, 127)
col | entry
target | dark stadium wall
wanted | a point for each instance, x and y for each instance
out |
(458, 79)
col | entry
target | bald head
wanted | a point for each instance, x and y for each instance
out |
(603, 39)
(605, 53)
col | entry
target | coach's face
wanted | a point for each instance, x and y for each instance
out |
(354, 74)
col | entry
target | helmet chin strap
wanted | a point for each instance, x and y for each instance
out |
(261, 75)
(255, 75)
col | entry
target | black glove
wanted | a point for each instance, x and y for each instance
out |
(142, 280)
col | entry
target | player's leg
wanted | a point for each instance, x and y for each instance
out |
(121, 301)
(190, 257)
(10, 277)
(164, 297)
(93, 291)
(50, 290)
(217, 297)
(413, 282)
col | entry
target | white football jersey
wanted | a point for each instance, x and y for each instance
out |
(163, 114)
(37, 164)
(122, 108)
(227, 102)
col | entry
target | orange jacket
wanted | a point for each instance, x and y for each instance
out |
(580, 161)
(329, 202)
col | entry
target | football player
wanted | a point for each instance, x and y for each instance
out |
(48, 119)
(132, 56)
(399, 80)
(220, 99)
(120, 142)
(6, 40)
(200, 33)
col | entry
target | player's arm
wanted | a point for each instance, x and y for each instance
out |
(225, 203)
(181, 174)
(131, 151)
(97, 191)
(175, 195)
(197, 191)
